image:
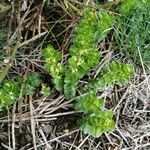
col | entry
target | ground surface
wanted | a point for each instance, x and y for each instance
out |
(50, 122)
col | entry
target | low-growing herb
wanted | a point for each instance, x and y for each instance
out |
(85, 55)
(53, 66)
(9, 93)
(114, 73)
(84, 52)
(31, 83)
(89, 103)
(45, 90)
(10, 89)
(97, 123)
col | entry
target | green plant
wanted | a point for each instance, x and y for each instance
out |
(84, 52)
(10, 89)
(132, 31)
(53, 66)
(89, 103)
(9, 93)
(127, 6)
(98, 119)
(45, 90)
(85, 55)
(97, 123)
(114, 73)
(31, 83)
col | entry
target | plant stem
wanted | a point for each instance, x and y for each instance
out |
(6, 69)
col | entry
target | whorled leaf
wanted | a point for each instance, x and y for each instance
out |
(114, 73)
(9, 92)
(46, 91)
(32, 81)
(104, 25)
(89, 103)
(53, 66)
(96, 124)
(70, 84)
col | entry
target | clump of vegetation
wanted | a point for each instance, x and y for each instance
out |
(132, 30)
(9, 93)
(97, 123)
(53, 66)
(98, 119)
(83, 76)
(31, 83)
(10, 89)
(84, 52)
(114, 73)
(46, 91)
(84, 55)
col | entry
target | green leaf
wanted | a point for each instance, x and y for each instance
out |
(127, 6)
(58, 81)
(32, 82)
(70, 84)
(114, 73)
(117, 73)
(9, 92)
(89, 103)
(54, 67)
(51, 55)
(96, 124)
(45, 90)
(104, 25)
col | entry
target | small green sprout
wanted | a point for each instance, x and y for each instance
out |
(45, 90)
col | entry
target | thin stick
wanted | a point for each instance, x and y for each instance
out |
(32, 122)
(32, 39)
(7, 147)
(83, 141)
(13, 127)
(56, 138)
(9, 133)
(45, 140)
(121, 100)
(6, 69)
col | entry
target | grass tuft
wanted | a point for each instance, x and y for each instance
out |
(132, 32)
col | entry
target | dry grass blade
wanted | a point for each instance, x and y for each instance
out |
(13, 127)
(32, 122)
